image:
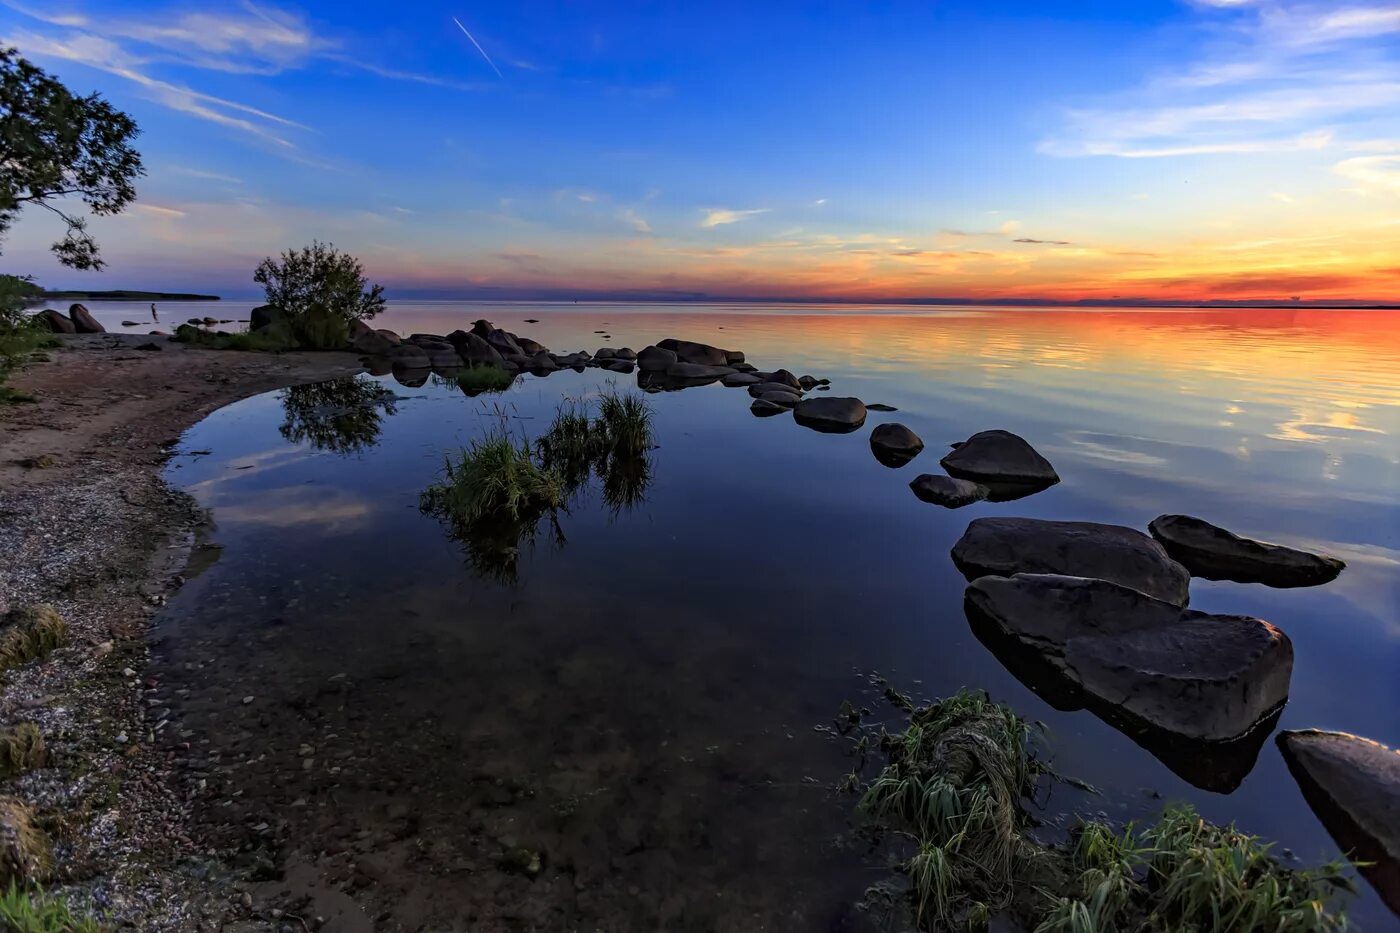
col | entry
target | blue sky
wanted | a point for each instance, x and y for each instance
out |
(1223, 148)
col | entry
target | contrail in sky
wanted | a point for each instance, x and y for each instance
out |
(479, 48)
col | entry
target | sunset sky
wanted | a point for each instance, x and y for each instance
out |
(1155, 149)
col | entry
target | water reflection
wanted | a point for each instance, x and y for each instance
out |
(342, 416)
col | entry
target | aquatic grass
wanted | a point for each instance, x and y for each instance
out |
(956, 783)
(495, 477)
(625, 421)
(477, 379)
(23, 911)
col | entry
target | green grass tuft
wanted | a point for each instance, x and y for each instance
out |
(36, 912)
(21, 749)
(495, 478)
(30, 632)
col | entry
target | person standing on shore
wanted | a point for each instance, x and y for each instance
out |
(155, 317)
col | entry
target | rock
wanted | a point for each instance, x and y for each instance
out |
(264, 316)
(605, 353)
(84, 322)
(427, 340)
(807, 383)
(731, 357)
(782, 377)
(831, 415)
(655, 359)
(506, 345)
(696, 371)
(482, 328)
(619, 366)
(1213, 553)
(781, 399)
(1353, 785)
(131, 323)
(999, 457)
(764, 408)
(542, 362)
(570, 360)
(1204, 677)
(410, 356)
(1005, 546)
(527, 346)
(627, 353)
(946, 491)
(894, 445)
(745, 367)
(364, 339)
(393, 338)
(699, 353)
(25, 854)
(878, 406)
(763, 388)
(55, 322)
(443, 359)
(474, 350)
(735, 380)
(210, 321)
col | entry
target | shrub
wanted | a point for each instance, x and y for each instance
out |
(24, 911)
(319, 287)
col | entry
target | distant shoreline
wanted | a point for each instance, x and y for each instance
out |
(123, 295)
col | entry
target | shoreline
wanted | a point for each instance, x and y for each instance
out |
(88, 524)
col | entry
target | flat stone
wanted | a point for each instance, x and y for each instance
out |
(894, 445)
(735, 380)
(1353, 785)
(764, 408)
(947, 491)
(1213, 553)
(999, 457)
(781, 399)
(688, 351)
(831, 414)
(1006, 546)
(697, 371)
(763, 388)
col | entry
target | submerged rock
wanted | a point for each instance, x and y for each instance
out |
(763, 408)
(781, 399)
(1353, 785)
(894, 445)
(831, 415)
(879, 406)
(1213, 553)
(1005, 546)
(1205, 677)
(736, 380)
(999, 457)
(763, 388)
(697, 371)
(655, 359)
(84, 322)
(947, 491)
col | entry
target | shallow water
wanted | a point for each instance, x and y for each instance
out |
(638, 703)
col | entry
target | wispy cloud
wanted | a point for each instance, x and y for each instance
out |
(719, 216)
(1026, 239)
(636, 221)
(1372, 173)
(205, 175)
(1268, 77)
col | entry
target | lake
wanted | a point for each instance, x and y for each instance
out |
(632, 700)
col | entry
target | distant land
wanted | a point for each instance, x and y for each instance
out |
(122, 295)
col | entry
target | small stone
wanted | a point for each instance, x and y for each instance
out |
(248, 699)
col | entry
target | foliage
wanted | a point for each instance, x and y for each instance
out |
(340, 415)
(956, 782)
(495, 478)
(30, 632)
(55, 145)
(319, 281)
(23, 911)
(16, 294)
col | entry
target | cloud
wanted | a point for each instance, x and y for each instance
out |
(158, 211)
(1011, 226)
(205, 175)
(719, 216)
(819, 202)
(1378, 172)
(1283, 75)
(1026, 239)
(635, 220)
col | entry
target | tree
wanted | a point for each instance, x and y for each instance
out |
(55, 145)
(319, 279)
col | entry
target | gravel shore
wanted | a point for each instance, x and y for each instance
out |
(88, 525)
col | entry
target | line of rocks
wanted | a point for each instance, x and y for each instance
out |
(79, 320)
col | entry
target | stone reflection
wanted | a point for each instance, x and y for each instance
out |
(341, 415)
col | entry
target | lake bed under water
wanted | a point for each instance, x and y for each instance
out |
(634, 703)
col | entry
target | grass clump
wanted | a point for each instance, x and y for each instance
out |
(624, 419)
(21, 749)
(496, 477)
(1186, 874)
(475, 380)
(30, 632)
(24, 911)
(25, 853)
(955, 786)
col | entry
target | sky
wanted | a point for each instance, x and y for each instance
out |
(1153, 150)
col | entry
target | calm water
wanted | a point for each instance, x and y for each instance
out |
(637, 706)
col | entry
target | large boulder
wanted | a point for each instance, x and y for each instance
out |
(999, 457)
(367, 340)
(55, 322)
(542, 362)
(410, 356)
(474, 350)
(1353, 785)
(84, 322)
(570, 360)
(444, 359)
(688, 351)
(527, 346)
(831, 415)
(1005, 546)
(1203, 677)
(947, 491)
(655, 359)
(894, 445)
(264, 316)
(1213, 553)
(697, 371)
(782, 377)
(626, 353)
(506, 344)
(393, 338)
